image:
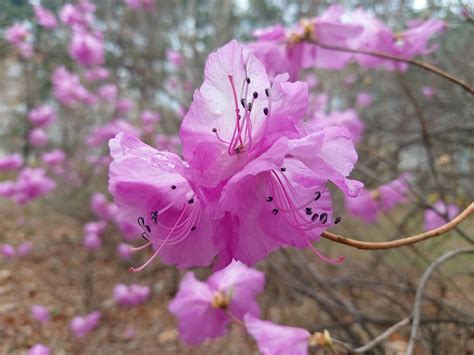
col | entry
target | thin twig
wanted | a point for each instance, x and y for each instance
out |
(419, 292)
(404, 240)
(425, 66)
(378, 339)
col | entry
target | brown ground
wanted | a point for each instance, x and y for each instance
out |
(60, 275)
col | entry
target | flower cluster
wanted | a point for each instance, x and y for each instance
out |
(370, 203)
(291, 50)
(254, 177)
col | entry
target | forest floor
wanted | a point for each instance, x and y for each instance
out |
(60, 275)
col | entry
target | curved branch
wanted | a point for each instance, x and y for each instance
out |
(416, 63)
(419, 292)
(404, 240)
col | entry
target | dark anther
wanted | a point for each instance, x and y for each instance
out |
(148, 228)
(250, 106)
(141, 221)
(240, 116)
(314, 217)
(145, 236)
(193, 228)
(337, 220)
(173, 187)
(191, 201)
(309, 211)
(267, 92)
(242, 102)
(248, 80)
(255, 94)
(317, 195)
(275, 211)
(324, 217)
(269, 199)
(154, 216)
(265, 111)
(283, 169)
(214, 130)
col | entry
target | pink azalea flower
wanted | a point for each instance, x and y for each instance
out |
(275, 339)
(54, 157)
(175, 58)
(201, 306)
(8, 251)
(68, 88)
(108, 92)
(364, 206)
(393, 193)
(19, 36)
(95, 227)
(124, 251)
(348, 119)
(92, 242)
(81, 326)
(148, 187)
(129, 296)
(78, 16)
(280, 198)
(236, 84)
(45, 17)
(124, 105)
(368, 204)
(40, 313)
(11, 162)
(42, 116)
(7, 189)
(32, 183)
(101, 206)
(24, 248)
(364, 99)
(96, 74)
(414, 41)
(39, 349)
(433, 219)
(101, 135)
(38, 138)
(87, 49)
(134, 4)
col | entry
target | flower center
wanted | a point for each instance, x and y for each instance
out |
(242, 135)
(220, 300)
(184, 221)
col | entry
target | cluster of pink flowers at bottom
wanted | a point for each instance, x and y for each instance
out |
(254, 176)
(205, 310)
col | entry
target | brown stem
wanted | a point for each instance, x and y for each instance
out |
(404, 240)
(235, 319)
(416, 63)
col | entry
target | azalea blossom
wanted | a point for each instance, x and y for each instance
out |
(11, 162)
(39, 349)
(31, 183)
(124, 251)
(132, 295)
(439, 215)
(45, 17)
(19, 36)
(80, 326)
(364, 99)
(87, 49)
(150, 190)
(201, 307)
(255, 177)
(348, 119)
(68, 89)
(78, 16)
(40, 313)
(42, 116)
(96, 74)
(8, 251)
(54, 157)
(273, 339)
(38, 138)
(175, 58)
(369, 203)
